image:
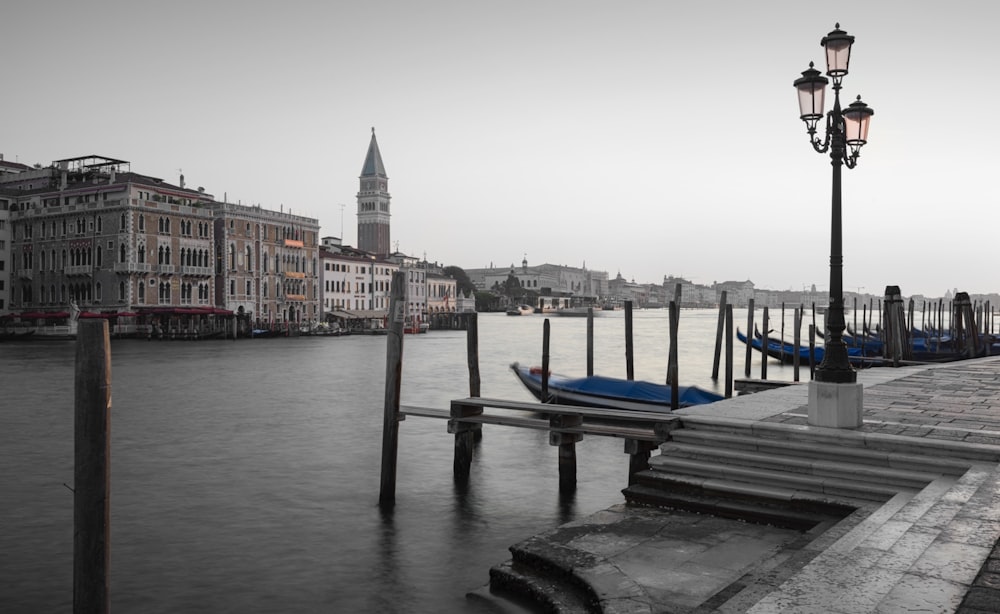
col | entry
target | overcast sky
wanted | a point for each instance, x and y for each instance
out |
(649, 138)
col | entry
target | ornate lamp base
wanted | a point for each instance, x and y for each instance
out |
(835, 405)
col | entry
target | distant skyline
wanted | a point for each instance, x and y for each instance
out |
(642, 137)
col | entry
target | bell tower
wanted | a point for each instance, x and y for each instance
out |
(373, 203)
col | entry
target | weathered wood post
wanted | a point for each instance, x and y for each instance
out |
(729, 351)
(629, 349)
(746, 370)
(472, 350)
(545, 361)
(965, 326)
(797, 339)
(718, 335)
(764, 342)
(896, 344)
(393, 379)
(672, 359)
(781, 352)
(92, 469)
(590, 341)
(812, 350)
(567, 448)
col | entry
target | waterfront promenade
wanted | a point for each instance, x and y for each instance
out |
(930, 547)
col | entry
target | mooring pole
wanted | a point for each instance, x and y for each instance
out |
(92, 469)
(764, 343)
(746, 369)
(590, 341)
(393, 379)
(729, 351)
(673, 356)
(545, 360)
(718, 335)
(629, 362)
(472, 347)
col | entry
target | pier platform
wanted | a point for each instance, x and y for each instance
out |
(749, 509)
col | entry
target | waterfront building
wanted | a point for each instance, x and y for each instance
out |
(625, 290)
(268, 264)
(549, 279)
(90, 233)
(355, 284)
(738, 293)
(441, 291)
(373, 203)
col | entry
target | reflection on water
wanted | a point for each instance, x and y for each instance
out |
(245, 474)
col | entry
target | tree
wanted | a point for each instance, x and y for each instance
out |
(463, 284)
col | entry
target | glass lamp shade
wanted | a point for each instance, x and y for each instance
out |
(857, 117)
(838, 52)
(812, 90)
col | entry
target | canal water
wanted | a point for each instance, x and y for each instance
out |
(245, 474)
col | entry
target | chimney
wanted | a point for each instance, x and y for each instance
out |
(182, 181)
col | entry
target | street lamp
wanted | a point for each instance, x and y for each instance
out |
(846, 131)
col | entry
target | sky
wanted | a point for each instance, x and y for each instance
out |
(646, 138)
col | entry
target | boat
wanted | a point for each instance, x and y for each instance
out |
(521, 310)
(609, 392)
(784, 351)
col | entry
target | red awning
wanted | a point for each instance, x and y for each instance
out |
(91, 314)
(37, 315)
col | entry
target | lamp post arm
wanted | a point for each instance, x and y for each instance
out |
(824, 145)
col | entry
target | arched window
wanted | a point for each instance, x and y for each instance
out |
(142, 291)
(122, 223)
(142, 253)
(249, 264)
(121, 253)
(121, 292)
(232, 258)
(142, 223)
(100, 224)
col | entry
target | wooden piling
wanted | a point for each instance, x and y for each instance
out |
(797, 340)
(764, 341)
(746, 371)
(393, 379)
(812, 350)
(781, 351)
(567, 449)
(92, 469)
(590, 341)
(545, 360)
(629, 349)
(673, 357)
(729, 351)
(472, 350)
(718, 335)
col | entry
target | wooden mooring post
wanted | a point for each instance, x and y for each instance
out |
(718, 335)
(729, 351)
(749, 356)
(590, 341)
(472, 350)
(629, 349)
(393, 379)
(92, 469)
(672, 359)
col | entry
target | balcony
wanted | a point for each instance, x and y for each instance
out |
(294, 274)
(132, 267)
(86, 269)
(293, 243)
(25, 274)
(295, 297)
(196, 271)
(166, 269)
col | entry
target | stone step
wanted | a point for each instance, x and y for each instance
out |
(915, 446)
(542, 589)
(832, 449)
(756, 478)
(483, 600)
(838, 468)
(717, 502)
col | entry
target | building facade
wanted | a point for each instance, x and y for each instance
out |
(91, 233)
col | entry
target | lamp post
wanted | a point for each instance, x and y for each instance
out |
(845, 133)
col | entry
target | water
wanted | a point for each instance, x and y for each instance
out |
(245, 474)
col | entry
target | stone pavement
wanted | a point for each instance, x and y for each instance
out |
(931, 550)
